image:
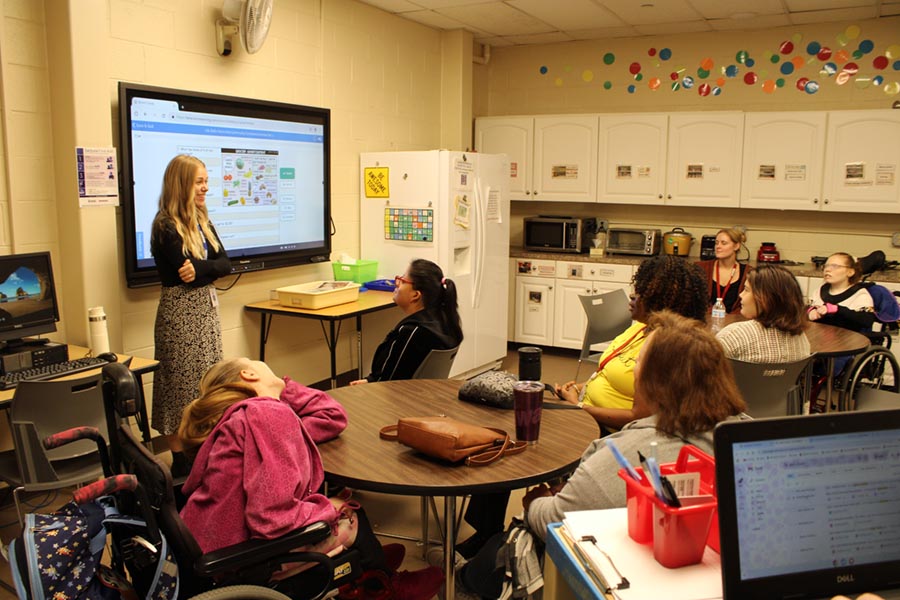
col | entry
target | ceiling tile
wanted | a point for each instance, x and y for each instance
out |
(664, 11)
(754, 24)
(438, 4)
(603, 33)
(673, 28)
(723, 9)
(829, 16)
(576, 13)
(825, 5)
(495, 42)
(394, 6)
(498, 19)
(433, 19)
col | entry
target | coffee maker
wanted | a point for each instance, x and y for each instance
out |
(708, 247)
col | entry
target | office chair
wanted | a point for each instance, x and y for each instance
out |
(608, 315)
(40, 409)
(770, 389)
(251, 562)
(437, 364)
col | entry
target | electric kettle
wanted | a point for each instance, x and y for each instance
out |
(677, 242)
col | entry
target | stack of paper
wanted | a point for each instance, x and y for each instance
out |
(613, 556)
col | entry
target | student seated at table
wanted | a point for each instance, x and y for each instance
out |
(431, 323)
(773, 304)
(661, 282)
(684, 387)
(725, 276)
(257, 470)
(841, 300)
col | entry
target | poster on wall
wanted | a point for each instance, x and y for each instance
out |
(98, 179)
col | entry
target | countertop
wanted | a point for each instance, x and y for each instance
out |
(799, 270)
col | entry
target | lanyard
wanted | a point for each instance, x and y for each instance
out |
(639, 334)
(718, 282)
(203, 237)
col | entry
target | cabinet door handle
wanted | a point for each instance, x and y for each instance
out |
(527, 192)
(660, 196)
(827, 201)
(669, 196)
(815, 200)
(535, 192)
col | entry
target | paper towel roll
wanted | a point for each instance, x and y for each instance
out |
(99, 333)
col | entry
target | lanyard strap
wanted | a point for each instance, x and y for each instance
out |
(638, 335)
(718, 282)
(203, 237)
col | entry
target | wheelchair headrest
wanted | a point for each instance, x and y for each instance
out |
(120, 389)
(874, 261)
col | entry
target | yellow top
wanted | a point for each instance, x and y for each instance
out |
(613, 387)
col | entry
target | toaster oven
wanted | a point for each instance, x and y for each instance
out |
(643, 242)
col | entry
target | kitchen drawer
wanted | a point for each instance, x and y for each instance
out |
(536, 267)
(594, 271)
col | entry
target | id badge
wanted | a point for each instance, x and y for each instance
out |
(213, 297)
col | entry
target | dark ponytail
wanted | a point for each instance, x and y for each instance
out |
(438, 295)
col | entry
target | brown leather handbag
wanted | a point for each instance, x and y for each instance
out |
(452, 440)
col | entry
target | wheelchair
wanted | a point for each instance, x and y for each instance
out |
(214, 574)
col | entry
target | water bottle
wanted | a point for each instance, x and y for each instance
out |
(99, 334)
(718, 315)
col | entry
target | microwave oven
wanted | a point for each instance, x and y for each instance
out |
(643, 242)
(559, 234)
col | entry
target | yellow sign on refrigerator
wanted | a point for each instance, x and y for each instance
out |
(377, 182)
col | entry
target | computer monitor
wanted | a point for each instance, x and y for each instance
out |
(27, 298)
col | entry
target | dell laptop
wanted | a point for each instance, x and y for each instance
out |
(809, 506)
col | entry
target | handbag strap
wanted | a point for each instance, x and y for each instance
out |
(486, 457)
(389, 433)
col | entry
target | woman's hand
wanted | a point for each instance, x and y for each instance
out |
(186, 272)
(539, 491)
(359, 381)
(568, 392)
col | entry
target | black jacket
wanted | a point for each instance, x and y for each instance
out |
(406, 346)
(166, 246)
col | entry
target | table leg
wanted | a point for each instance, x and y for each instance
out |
(449, 547)
(332, 346)
(829, 384)
(264, 324)
(359, 352)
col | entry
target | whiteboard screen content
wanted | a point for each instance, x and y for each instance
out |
(268, 166)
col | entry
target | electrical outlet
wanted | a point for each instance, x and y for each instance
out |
(602, 225)
(895, 240)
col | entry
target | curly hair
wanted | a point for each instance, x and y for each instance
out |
(673, 283)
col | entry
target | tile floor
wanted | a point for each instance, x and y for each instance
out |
(389, 514)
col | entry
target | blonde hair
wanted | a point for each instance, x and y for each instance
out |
(735, 235)
(177, 206)
(220, 388)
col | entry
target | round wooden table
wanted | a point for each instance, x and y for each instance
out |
(359, 459)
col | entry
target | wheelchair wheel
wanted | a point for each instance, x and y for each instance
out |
(247, 592)
(876, 368)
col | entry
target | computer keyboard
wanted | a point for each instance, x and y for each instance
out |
(10, 380)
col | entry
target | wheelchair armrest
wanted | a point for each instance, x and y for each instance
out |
(237, 556)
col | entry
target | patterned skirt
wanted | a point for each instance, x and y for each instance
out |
(188, 338)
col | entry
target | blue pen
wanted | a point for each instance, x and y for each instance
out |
(653, 471)
(623, 462)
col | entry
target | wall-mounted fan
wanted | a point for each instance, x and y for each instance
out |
(248, 18)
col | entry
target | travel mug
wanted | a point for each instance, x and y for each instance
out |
(99, 334)
(529, 363)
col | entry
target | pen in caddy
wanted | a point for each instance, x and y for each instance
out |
(623, 462)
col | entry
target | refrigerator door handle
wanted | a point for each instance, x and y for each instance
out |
(479, 245)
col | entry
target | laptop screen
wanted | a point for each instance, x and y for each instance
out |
(809, 505)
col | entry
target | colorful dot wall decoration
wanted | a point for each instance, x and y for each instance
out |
(867, 61)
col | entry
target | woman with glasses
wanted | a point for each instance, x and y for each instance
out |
(431, 323)
(841, 300)
(725, 276)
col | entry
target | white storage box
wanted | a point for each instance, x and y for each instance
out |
(318, 294)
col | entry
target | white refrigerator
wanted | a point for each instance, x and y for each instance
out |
(451, 208)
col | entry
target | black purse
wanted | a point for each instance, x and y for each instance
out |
(495, 389)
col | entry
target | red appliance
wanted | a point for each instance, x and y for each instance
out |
(768, 253)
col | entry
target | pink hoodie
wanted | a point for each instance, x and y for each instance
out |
(257, 473)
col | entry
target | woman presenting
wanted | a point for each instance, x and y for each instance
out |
(189, 257)
(725, 276)
(431, 323)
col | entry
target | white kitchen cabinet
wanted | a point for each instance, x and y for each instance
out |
(814, 284)
(804, 287)
(704, 159)
(861, 160)
(535, 283)
(631, 158)
(576, 279)
(784, 153)
(551, 157)
(513, 136)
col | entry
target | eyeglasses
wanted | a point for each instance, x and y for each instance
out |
(401, 279)
(833, 266)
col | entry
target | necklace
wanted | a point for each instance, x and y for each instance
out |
(639, 334)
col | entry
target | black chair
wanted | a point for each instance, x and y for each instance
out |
(252, 562)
